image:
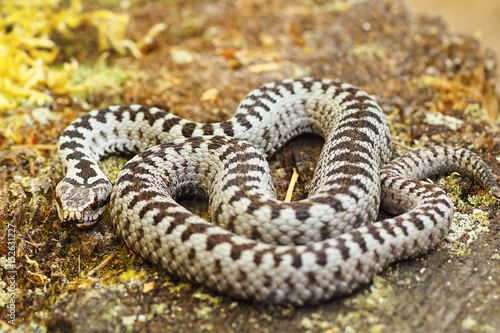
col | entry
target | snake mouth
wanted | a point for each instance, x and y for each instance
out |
(86, 224)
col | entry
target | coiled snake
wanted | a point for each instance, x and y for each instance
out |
(260, 248)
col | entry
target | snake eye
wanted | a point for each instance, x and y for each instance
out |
(93, 205)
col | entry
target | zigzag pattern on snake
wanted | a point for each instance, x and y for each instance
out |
(301, 252)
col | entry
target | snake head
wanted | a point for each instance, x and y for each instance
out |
(81, 204)
(496, 192)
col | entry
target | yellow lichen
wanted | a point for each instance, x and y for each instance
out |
(28, 69)
(130, 275)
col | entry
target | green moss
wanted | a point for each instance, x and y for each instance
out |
(126, 259)
(367, 309)
(181, 287)
(213, 300)
(480, 201)
(203, 312)
(112, 166)
(101, 77)
(453, 181)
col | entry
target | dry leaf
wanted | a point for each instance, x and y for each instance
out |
(210, 95)
(263, 68)
(148, 287)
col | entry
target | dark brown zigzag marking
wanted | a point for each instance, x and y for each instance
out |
(195, 142)
(73, 134)
(288, 86)
(320, 257)
(227, 127)
(73, 145)
(243, 121)
(354, 139)
(151, 118)
(308, 84)
(169, 123)
(408, 185)
(208, 129)
(416, 221)
(254, 113)
(350, 170)
(84, 166)
(238, 183)
(95, 183)
(188, 129)
(352, 182)
(264, 96)
(240, 156)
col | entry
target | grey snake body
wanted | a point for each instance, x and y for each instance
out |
(260, 248)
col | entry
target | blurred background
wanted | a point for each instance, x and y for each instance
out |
(478, 18)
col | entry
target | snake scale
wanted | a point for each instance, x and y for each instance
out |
(256, 247)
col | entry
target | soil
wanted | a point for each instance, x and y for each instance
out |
(435, 86)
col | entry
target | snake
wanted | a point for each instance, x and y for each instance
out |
(256, 247)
